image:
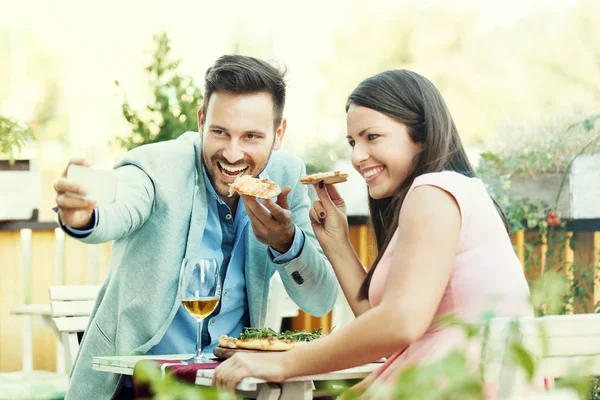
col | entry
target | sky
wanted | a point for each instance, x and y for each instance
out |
(92, 44)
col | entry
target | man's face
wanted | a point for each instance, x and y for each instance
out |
(238, 136)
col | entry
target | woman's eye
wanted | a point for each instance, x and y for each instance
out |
(351, 143)
(372, 136)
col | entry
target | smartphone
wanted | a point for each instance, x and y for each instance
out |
(101, 185)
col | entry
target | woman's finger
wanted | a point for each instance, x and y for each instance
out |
(334, 195)
(314, 217)
(323, 194)
(318, 207)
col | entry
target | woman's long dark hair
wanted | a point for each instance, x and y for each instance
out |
(413, 100)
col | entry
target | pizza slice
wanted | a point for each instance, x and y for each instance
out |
(266, 339)
(327, 177)
(250, 186)
(227, 342)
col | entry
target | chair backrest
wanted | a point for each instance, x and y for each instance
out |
(279, 305)
(562, 345)
(71, 310)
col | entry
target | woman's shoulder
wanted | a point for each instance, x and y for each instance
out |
(464, 189)
(450, 181)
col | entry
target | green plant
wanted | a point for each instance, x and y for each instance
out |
(149, 377)
(13, 136)
(527, 150)
(176, 100)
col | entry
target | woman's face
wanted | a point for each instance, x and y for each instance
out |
(382, 150)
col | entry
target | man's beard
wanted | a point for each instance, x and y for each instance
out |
(213, 170)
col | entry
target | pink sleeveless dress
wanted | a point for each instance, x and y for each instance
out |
(486, 277)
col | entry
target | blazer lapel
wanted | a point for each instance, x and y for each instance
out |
(256, 278)
(199, 211)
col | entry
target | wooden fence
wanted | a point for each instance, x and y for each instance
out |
(35, 256)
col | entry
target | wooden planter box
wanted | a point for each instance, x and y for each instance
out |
(580, 196)
(19, 190)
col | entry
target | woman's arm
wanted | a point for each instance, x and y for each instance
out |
(350, 274)
(429, 227)
(330, 224)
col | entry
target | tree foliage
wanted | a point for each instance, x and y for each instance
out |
(175, 101)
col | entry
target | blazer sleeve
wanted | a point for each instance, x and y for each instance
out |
(132, 206)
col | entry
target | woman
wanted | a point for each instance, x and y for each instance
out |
(443, 245)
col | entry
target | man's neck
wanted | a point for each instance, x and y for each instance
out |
(232, 202)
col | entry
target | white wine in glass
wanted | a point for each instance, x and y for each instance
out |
(201, 288)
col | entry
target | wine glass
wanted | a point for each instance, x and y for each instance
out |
(201, 291)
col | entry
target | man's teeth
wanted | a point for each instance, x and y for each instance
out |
(371, 172)
(233, 170)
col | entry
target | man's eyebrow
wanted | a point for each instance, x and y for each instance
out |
(217, 127)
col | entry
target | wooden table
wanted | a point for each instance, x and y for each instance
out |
(300, 387)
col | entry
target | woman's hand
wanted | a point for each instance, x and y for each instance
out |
(269, 367)
(328, 217)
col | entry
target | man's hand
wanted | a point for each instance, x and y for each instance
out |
(75, 213)
(274, 227)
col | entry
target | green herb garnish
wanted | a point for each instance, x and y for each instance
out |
(297, 336)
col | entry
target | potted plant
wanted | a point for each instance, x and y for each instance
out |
(19, 178)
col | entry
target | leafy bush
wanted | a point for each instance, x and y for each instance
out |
(13, 136)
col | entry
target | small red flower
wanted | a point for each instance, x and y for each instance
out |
(552, 219)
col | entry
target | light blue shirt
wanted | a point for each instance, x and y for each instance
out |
(223, 240)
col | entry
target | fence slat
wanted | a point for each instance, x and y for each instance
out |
(43, 272)
(77, 261)
(11, 294)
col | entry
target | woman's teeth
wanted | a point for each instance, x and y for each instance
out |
(371, 172)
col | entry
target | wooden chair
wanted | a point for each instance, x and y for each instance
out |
(562, 346)
(279, 305)
(71, 309)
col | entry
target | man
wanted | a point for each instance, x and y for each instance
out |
(172, 202)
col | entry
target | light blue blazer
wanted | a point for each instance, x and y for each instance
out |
(158, 218)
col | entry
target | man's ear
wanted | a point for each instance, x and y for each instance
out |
(200, 120)
(279, 134)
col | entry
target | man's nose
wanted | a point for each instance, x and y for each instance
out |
(233, 153)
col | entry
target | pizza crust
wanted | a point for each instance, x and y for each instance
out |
(266, 344)
(327, 177)
(264, 188)
(227, 342)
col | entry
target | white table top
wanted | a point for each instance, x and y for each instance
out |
(32, 309)
(125, 364)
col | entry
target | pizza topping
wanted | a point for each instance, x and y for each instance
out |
(296, 336)
(266, 339)
(327, 177)
(250, 186)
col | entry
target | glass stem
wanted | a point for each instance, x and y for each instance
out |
(199, 340)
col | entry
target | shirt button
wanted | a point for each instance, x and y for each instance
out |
(212, 321)
(225, 292)
(228, 216)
